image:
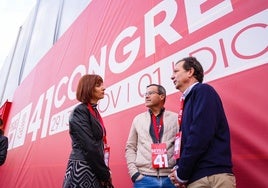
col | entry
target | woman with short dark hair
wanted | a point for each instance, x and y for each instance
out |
(87, 166)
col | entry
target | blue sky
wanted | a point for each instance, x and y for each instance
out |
(13, 14)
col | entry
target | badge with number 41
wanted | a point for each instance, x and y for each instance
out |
(159, 155)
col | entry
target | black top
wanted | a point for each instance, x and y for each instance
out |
(87, 141)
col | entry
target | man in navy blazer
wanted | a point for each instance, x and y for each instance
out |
(205, 154)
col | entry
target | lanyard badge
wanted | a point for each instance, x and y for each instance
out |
(106, 154)
(177, 146)
(159, 155)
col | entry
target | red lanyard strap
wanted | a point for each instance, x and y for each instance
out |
(180, 111)
(94, 111)
(157, 127)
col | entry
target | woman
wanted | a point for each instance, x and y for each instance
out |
(87, 167)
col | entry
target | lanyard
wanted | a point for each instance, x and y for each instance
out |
(157, 127)
(180, 111)
(93, 110)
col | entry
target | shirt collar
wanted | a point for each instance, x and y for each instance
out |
(187, 91)
(161, 111)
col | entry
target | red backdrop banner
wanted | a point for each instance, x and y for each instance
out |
(132, 44)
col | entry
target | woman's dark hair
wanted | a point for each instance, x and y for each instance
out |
(192, 62)
(86, 87)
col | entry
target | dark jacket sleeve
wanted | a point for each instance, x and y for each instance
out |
(3, 149)
(87, 134)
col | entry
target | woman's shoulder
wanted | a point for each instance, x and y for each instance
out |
(80, 106)
(79, 110)
(79, 115)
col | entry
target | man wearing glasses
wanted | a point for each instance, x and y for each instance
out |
(150, 144)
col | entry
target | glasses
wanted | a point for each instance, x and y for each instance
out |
(150, 93)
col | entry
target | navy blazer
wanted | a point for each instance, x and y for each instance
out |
(206, 146)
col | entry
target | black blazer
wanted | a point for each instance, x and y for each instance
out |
(3, 148)
(87, 141)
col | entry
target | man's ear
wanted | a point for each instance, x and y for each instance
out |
(162, 96)
(191, 72)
